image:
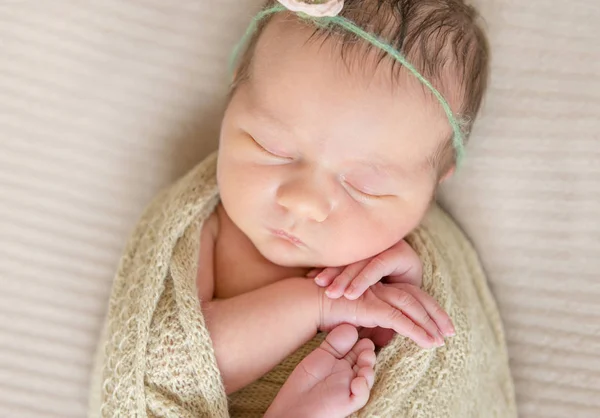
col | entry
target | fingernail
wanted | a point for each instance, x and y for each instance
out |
(319, 280)
(350, 291)
(331, 292)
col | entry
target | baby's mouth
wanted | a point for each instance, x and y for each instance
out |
(287, 236)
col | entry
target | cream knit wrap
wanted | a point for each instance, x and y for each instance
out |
(156, 358)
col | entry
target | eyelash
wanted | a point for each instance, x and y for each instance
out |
(363, 194)
(266, 151)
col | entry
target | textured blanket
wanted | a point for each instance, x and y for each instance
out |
(156, 357)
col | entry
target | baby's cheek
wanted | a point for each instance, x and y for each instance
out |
(362, 236)
(238, 178)
(235, 188)
(388, 227)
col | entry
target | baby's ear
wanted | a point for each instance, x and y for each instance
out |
(447, 174)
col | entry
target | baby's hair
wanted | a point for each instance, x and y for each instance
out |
(440, 38)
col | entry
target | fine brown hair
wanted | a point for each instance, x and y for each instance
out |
(442, 39)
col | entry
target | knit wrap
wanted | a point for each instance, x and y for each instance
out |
(156, 359)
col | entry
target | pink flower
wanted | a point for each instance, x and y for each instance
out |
(325, 8)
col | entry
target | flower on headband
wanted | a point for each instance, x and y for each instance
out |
(314, 8)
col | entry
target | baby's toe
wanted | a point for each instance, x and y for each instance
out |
(359, 392)
(363, 345)
(369, 374)
(366, 358)
(340, 341)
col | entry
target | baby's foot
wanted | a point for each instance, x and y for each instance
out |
(333, 381)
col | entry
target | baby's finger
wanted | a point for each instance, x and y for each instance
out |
(313, 273)
(341, 282)
(409, 268)
(377, 268)
(411, 307)
(325, 277)
(384, 314)
(434, 310)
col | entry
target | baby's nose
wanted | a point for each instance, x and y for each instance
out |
(305, 199)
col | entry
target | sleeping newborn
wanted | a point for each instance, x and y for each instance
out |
(330, 153)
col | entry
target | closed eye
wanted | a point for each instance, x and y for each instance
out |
(267, 151)
(364, 194)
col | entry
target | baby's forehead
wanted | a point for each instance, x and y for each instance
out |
(292, 45)
(306, 100)
(297, 48)
(294, 74)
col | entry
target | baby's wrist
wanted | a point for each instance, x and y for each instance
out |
(324, 302)
(325, 322)
(320, 303)
(311, 299)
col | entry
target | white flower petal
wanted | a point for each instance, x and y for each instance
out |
(329, 8)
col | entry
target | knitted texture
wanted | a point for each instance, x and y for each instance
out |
(157, 359)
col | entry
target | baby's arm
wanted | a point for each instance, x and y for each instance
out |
(255, 331)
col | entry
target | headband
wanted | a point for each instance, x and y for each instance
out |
(325, 13)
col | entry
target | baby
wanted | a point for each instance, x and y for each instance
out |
(330, 153)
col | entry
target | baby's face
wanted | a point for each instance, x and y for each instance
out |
(320, 165)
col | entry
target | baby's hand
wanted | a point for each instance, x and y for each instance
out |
(401, 307)
(398, 264)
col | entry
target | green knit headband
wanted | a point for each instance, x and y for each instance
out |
(457, 138)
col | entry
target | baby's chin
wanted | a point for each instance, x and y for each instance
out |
(286, 254)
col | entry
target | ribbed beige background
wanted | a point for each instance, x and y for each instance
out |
(103, 102)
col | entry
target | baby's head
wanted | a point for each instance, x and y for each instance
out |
(330, 150)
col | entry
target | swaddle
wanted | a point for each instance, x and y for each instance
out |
(156, 358)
